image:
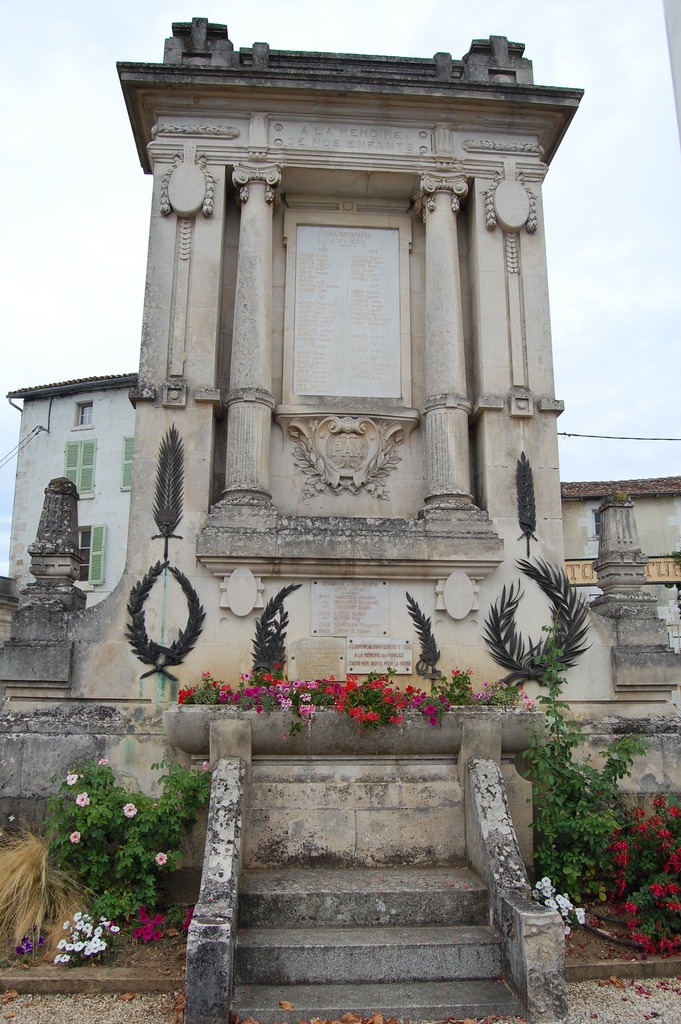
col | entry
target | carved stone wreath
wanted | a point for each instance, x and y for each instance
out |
(340, 454)
(148, 651)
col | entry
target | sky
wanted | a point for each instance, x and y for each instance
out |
(76, 203)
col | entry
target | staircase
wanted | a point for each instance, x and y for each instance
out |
(408, 942)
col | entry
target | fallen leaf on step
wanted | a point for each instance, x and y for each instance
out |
(285, 1005)
(127, 996)
(9, 994)
(351, 1018)
(377, 1019)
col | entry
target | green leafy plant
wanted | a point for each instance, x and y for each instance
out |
(576, 804)
(119, 844)
(646, 861)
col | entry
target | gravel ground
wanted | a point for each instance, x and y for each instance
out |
(607, 1002)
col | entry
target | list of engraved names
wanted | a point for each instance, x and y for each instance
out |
(347, 312)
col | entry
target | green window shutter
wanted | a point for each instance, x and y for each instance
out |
(86, 483)
(71, 461)
(97, 541)
(126, 475)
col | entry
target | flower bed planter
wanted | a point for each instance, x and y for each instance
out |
(330, 733)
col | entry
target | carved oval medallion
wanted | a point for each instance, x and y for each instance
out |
(187, 189)
(511, 204)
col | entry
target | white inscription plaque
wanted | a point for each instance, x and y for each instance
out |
(349, 608)
(347, 312)
(378, 654)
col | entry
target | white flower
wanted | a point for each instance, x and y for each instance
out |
(161, 859)
(66, 925)
(103, 761)
(78, 915)
(61, 944)
(580, 914)
(130, 810)
(114, 928)
(82, 799)
(71, 779)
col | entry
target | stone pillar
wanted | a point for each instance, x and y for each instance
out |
(641, 660)
(621, 564)
(250, 401)
(55, 556)
(446, 406)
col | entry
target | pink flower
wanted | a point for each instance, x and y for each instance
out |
(205, 767)
(71, 779)
(82, 799)
(103, 761)
(130, 810)
(161, 859)
(74, 837)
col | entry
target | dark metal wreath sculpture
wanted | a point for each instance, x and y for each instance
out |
(426, 666)
(570, 620)
(167, 514)
(269, 642)
(148, 651)
(527, 510)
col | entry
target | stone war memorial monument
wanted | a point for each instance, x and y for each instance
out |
(345, 396)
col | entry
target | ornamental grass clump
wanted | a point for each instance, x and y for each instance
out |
(646, 858)
(35, 894)
(374, 702)
(119, 844)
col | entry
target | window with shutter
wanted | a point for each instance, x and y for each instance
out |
(79, 465)
(97, 542)
(126, 474)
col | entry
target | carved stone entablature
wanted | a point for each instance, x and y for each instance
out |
(452, 181)
(511, 204)
(188, 186)
(271, 176)
(339, 454)
(221, 131)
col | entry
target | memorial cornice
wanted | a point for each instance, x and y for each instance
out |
(152, 96)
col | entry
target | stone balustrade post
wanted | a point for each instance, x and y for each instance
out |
(250, 401)
(447, 406)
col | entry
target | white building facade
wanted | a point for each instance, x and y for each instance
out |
(82, 430)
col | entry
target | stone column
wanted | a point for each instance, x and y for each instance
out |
(446, 406)
(250, 401)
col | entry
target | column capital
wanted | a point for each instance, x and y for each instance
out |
(452, 182)
(244, 175)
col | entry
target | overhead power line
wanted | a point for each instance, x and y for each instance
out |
(617, 437)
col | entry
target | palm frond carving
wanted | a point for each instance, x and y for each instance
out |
(527, 511)
(169, 486)
(269, 642)
(426, 666)
(570, 620)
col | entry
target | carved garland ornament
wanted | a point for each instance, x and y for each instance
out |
(339, 454)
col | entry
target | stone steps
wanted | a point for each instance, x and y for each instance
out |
(298, 956)
(410, 942)
(361, 897)
(417, 1000)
